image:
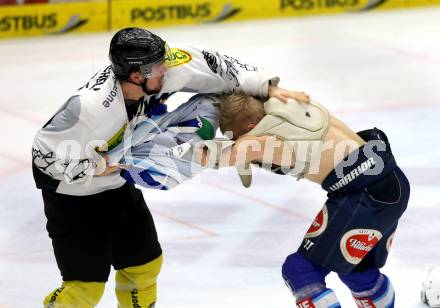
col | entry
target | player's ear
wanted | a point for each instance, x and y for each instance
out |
(251, 125)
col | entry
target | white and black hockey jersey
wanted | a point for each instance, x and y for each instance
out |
(95, 119)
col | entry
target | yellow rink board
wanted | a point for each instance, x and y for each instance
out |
(156, 13)
(41, 19)
(100, 15)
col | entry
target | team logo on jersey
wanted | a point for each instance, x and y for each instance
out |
(319, 224)
(176, 57)
(355, 244)
(390, 241)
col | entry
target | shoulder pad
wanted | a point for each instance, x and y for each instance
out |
(309, 116)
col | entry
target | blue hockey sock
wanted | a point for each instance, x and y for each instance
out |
(361, 281)
(326, 298)
(370, 289)
(307, 283)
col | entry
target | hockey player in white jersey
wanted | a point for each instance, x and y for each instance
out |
(96, 219)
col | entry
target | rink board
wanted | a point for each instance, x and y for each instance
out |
(43, 19)
(176, 12)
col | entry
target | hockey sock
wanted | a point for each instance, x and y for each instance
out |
(136, 285)
(370, 289)
(75, 294)
(326, 298)
(306, 280)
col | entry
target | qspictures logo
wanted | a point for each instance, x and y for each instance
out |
(45, 22)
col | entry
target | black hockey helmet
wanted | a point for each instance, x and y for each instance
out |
(135, 49)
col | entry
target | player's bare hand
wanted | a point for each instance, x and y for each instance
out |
(110, 169)
(103, 168)
(283, 94)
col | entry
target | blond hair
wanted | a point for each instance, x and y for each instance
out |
(237, 111)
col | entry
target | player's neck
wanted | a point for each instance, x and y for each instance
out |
(131, 91)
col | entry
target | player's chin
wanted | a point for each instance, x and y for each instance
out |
(154, 90)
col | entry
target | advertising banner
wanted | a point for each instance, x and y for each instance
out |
(43, 19)
(100, 15)
(157, 13)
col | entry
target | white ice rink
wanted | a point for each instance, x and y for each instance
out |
(224, 245)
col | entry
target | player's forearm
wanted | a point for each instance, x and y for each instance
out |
(264, 149)
(284, 94)
(246, 150)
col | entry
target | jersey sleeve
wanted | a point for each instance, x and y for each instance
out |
(62, 149)
(197, 70)
(197, 119)
(165, 160)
